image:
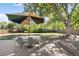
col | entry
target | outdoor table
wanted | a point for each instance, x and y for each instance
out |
(30, 40)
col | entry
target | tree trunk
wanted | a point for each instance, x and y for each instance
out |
(68, 28)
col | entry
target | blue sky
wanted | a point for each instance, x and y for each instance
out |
(8, 8)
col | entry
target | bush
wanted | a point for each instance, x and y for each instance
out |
(42, 31)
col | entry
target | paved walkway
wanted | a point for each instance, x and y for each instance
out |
(6, 47)
(31, 34)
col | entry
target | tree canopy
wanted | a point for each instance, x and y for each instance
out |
(66, 13)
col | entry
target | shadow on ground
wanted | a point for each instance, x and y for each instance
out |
(47, 47)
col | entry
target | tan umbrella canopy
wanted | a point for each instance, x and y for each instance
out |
(25, 18)
(32, 14)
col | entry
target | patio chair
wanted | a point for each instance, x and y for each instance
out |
(20, 42)
(33, 41)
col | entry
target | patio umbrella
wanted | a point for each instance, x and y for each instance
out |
(25, 18)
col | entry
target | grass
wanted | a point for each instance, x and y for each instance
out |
(9, 37)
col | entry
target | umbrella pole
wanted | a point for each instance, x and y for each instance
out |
(30, 45)
(29, 29)
(29, 33)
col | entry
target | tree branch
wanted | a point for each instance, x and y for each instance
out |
(65, 9)
(55, 8)
(73, 8)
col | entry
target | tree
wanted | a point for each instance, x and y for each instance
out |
(63, 11)
(68, 13)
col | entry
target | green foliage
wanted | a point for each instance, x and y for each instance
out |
(3, 25)
(53, 13)
(75, 19)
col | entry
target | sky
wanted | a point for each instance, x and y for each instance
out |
(9, 8)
